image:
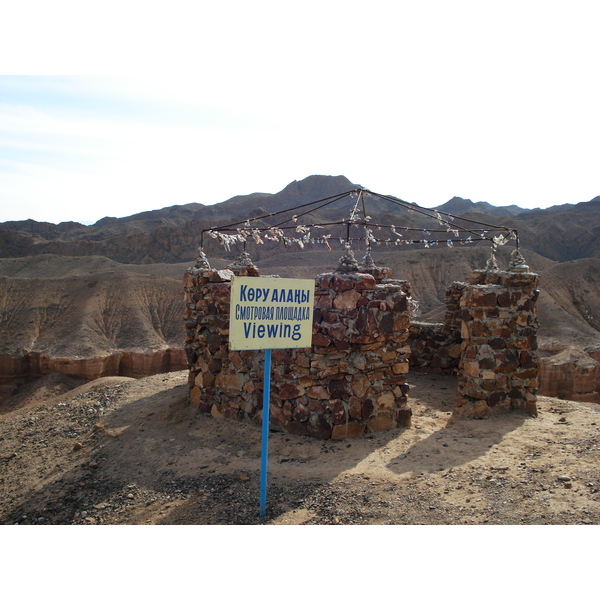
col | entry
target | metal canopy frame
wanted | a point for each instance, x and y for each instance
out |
(297, 229)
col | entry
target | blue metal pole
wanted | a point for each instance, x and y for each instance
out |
(265, 433)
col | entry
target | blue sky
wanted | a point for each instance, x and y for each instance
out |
(131, 108)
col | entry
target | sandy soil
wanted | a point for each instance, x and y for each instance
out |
(125, 451)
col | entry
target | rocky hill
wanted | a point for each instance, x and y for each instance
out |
(107, 298)
(461, 206)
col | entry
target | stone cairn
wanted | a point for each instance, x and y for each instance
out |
(351, 381)
(499, 362)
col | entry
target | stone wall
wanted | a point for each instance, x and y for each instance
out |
(488, 339)
(436, 347)
(570, 373)
(353, 378)
(350, 382)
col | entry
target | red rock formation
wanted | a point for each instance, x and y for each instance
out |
(571, 374)
(125, 363)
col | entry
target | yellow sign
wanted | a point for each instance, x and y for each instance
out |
(268, 313)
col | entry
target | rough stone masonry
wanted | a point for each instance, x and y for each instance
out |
(352, 380)
(499, 364)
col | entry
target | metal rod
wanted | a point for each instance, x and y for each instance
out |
(265, 433)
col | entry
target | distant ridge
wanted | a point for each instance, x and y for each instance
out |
(460, 206)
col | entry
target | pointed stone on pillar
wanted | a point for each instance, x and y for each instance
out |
(491, 264)
(369, 263)
(244, 267)
(517, 263)
(202, 261)
(347, 263)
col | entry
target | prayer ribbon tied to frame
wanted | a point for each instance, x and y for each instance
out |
(301, 227)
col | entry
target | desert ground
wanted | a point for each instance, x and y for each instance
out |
(133, 451)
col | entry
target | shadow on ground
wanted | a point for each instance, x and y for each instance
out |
(157, 460)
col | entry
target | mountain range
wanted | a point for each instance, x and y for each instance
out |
(170, 235)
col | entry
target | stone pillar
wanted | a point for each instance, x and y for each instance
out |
(214, 371)
(499, 365)
(359, 359)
